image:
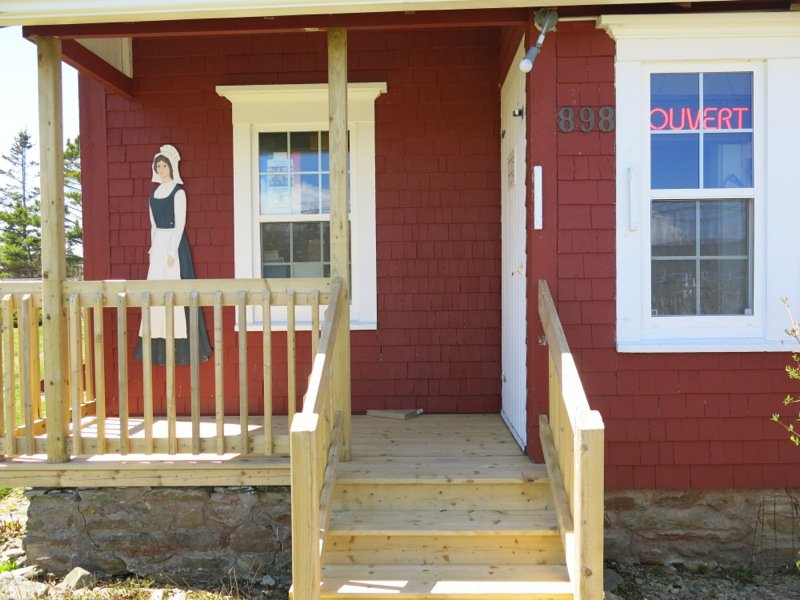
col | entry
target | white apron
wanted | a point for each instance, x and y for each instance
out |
(159, 250)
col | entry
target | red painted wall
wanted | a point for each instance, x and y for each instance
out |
(673, 421)
(437, 346)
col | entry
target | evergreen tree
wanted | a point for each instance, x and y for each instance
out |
(20, 238)
(72, 208)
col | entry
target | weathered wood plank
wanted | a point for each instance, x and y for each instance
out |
(25, 358)
(75, 366)
(122, 369)
(266, 348)
(51, 177)
(194, 369)
(241, 307)
(481, 582)
(291, 357)
(219, 376)
(149, 470)
(147, 371)
(206, 288)
(9, 397)
(306, 562)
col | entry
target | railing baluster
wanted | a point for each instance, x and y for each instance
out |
(122, 371)
(241, 306)
(219, 381)
(35, 373)
(291, 354)
(75, 364)
(87, 371)
(147, 373)
(266, 311)
(169, 344)
(100, 373)
(314, 323)
(25, 358)
(194, 369)
(9, 397)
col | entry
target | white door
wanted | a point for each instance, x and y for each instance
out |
(514, 323)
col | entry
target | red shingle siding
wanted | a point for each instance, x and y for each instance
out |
(672, 420)
(438, 201)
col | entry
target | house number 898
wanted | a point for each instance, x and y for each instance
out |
(585, 119)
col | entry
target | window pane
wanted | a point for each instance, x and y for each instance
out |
(673, 287)
(725, 228)
(674, 161)
(728, 99)
(728, 160)
(310, 194)
(307, 242)
(271, 145)
(716, 276)
(673, 228)
(305, 150)
(325, 159)
(725, 287)
(275, 249)
(674, 101)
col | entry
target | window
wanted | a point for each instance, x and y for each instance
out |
(294, 203)
(281, 190)
(704, 219)
(701, 248)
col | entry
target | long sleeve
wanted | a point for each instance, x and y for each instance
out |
(152, 228)
(180, 222)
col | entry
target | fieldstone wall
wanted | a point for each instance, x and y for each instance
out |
(731, 527)
(198, 535)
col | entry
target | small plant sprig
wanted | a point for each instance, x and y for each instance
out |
(793, 371)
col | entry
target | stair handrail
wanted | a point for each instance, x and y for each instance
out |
(573, 438)
(316, 441)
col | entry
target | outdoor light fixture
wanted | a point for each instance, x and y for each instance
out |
(545, 21)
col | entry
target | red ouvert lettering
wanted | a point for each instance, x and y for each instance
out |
(687, 119)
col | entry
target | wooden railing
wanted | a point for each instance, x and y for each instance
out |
(318, 435)
(572, 437)
(98, 312)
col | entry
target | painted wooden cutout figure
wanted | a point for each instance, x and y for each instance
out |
(170, 258)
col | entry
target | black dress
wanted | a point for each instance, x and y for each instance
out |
(163, 213)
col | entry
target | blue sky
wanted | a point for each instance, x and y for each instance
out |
(19, 94)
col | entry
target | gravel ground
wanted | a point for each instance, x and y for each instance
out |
(639, 582)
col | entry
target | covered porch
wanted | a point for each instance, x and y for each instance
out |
(60, 428)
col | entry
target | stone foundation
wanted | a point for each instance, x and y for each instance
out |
(204, 536)
(199, 536)
(732, 527)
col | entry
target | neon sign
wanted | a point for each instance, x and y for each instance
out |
(688, 119)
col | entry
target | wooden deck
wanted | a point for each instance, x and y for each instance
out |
(466, 439)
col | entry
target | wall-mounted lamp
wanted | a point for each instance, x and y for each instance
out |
(545, 21)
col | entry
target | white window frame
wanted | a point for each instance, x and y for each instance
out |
(304, 107)
(768, 45)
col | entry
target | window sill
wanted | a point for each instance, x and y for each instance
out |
(707, 345)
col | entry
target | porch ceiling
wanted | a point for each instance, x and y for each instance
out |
(55, 12)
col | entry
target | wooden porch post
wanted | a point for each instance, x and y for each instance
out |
(53, 255)
(340, 222)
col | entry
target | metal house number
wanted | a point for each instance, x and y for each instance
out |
(586, 119)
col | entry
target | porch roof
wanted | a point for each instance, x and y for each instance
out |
(55, 12)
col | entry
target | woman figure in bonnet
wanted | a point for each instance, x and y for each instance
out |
(170, 258)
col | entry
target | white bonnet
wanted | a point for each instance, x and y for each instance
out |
(171, 153)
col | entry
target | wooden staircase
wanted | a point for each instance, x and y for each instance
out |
(457, 527)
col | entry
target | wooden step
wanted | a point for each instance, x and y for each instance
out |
(436, 470)
(455, 582)
(444, 550)
(444, 522)
(465, 496)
